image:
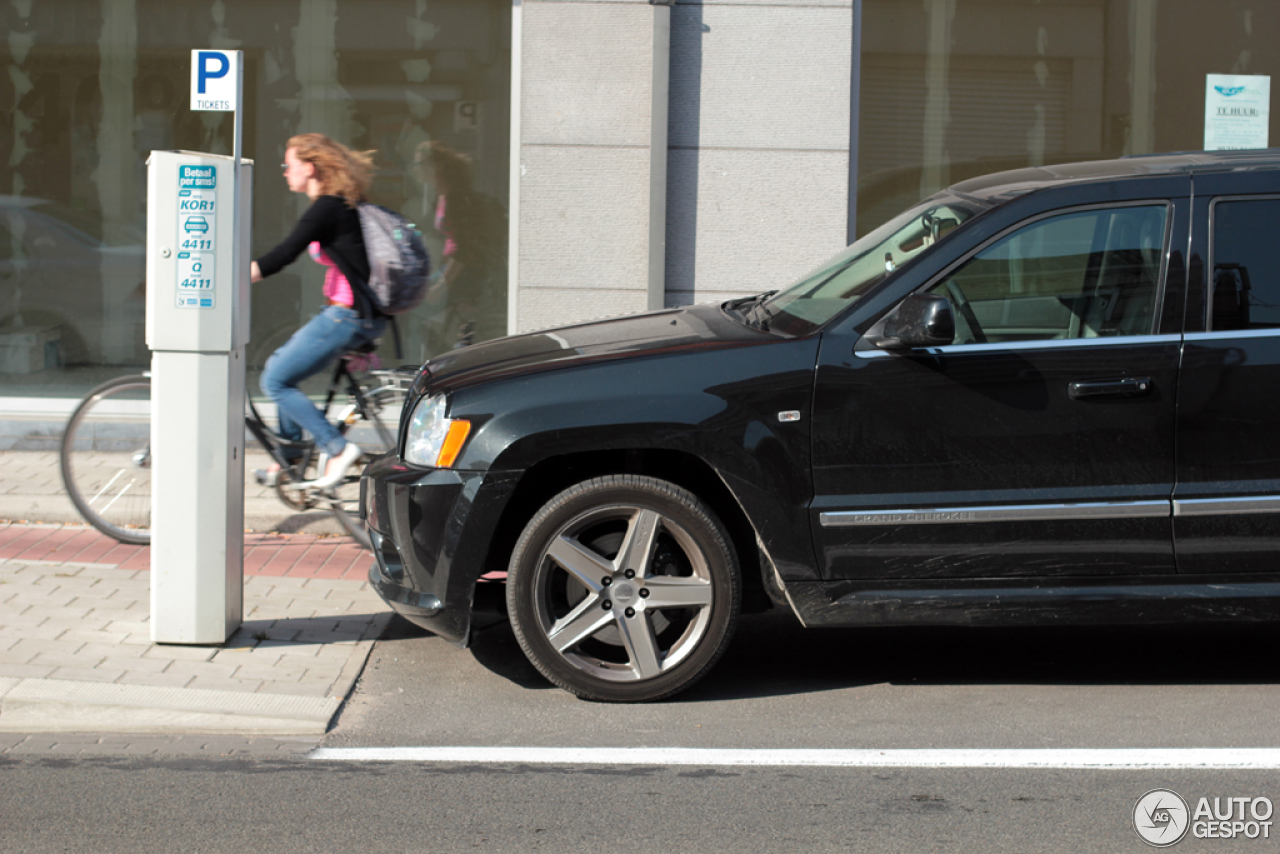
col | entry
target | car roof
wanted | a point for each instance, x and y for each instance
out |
(1004, 185)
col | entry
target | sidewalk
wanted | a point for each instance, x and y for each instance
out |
(31, 491)
(76, 654)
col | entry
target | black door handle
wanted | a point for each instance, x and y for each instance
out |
(1119, 387)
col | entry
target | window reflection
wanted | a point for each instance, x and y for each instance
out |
(1079, 275)
(90, 88)
(466, 297)
(1246, 265)
(952, 89)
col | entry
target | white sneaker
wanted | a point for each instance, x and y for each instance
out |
(337, 467)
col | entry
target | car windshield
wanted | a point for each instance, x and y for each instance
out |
(843, 280)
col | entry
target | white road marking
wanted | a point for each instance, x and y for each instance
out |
(1251, 758)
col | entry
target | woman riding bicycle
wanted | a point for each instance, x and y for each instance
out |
(336, 179)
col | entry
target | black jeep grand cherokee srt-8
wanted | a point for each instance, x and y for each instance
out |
(1049, 395)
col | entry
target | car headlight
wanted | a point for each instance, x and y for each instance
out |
(434, 439)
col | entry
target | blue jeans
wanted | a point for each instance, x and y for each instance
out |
(313, 348)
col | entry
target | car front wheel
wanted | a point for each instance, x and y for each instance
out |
(624, 589)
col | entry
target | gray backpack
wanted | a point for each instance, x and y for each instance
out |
(398, 261)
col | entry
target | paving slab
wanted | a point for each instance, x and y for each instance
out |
(89, 707)
(77, 655)
(112, 744)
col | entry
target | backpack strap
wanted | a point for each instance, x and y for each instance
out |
(395, 336)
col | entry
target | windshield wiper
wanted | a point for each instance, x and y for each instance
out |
(745, 304)
(760, 315)
(748, 306)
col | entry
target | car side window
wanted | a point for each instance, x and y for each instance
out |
(1246, 265)
(1083, 274)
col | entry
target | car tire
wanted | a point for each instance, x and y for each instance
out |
(624, 589)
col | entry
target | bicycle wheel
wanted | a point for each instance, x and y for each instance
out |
(106, 459)
(368, 429)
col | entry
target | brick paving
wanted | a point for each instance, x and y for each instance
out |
(280, 555)
(75, 612)
(75, 648)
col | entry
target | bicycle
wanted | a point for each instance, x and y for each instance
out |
(105, 453)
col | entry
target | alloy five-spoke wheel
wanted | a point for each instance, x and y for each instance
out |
(624, 589)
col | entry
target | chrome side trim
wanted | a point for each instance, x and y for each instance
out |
(1224, 506)
(904, 599)
(1040, 344)
(1006, 513)
(1228, 334)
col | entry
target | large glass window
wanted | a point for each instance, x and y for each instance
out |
(91, 87)
(951, 89)
(1087, 274)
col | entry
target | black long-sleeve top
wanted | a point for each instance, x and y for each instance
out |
(336, 226)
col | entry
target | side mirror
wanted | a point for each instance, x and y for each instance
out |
(920, 320)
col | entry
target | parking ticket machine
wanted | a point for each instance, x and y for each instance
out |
(197, 327)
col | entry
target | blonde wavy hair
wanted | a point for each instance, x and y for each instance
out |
(339, 170)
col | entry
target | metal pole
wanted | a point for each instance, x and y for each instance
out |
(236, 249)
(855, 94)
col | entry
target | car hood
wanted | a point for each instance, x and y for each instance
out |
(692, 328)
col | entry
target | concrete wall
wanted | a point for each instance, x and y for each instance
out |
(621, 203)
(758, 166)
(590, 159)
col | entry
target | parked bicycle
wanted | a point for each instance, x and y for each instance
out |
(106, 449)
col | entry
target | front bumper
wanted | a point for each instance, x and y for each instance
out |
(432, 532)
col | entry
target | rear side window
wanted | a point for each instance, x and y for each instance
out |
(1246, 265)
(1083, 274)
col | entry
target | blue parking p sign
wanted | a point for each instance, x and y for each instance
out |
(214, 79)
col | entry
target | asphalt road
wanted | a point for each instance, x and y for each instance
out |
(137, 806)
(779, 687)
(783, 686)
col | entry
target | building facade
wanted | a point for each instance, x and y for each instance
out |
(573, 158)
